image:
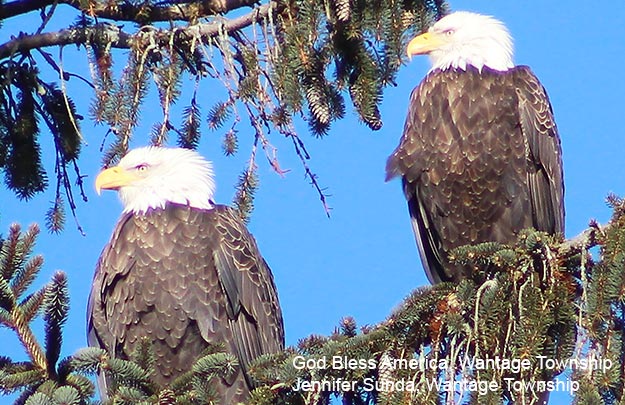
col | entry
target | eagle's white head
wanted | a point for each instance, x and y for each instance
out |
(150, 177)
(463, 38)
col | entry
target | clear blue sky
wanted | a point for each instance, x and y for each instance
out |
(363, 260)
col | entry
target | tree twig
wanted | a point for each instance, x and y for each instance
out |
(585, 240)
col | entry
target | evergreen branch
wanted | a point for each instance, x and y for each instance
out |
(5, 317)
(86, 361)
(59, 114)
(189, 137)
(15, 381)
(219, 113)
(37, 379)
(83, 384)
(128, 395)
(25, 275)
(230, 142)
(67, 395)
(222, 364)
(31, 306)
(71, 136)
(246, 189)
(55, 216)
(11, 253)
(125, 371)
(7, 298)
(143, 355)
(56, 309)
(531, 294)
(25, 334)
(301, 62)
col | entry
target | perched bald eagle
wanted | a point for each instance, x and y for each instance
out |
(182, 271)
(480, 156)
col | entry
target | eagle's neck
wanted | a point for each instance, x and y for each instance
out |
(168, 207)
(477, 59)
(491, 51)
(140, 200)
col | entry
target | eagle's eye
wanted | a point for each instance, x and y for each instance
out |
(142, 167)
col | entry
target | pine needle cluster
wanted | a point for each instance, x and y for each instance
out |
(27, 101)
(129, 381)
(603, 313)
(246, 187)
(328, 47)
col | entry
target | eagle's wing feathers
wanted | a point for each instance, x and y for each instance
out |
(480, 160)
(408, 160)
(545, 179)
(250, 294)
(428, 240)
(103, 279)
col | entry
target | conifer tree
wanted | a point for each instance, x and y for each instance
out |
(540, 298)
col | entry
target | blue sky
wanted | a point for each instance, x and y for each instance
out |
(363, 260)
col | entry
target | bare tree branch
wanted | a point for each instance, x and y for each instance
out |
(239, 23)
(8, 10)
(25, 43)
(124, 11)
(119, 39)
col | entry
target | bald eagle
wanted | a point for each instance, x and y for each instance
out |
(181, 271)
(480, 156)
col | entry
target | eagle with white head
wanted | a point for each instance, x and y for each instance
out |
(182, 271)
(480, 156)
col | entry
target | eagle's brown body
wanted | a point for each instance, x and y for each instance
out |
(185, 277)
(480, 160)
